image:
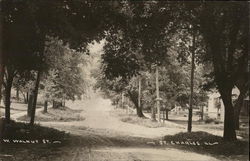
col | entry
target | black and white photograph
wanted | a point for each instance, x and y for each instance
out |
(124, 80)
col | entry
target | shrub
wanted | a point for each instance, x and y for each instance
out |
(209, 120)
(134, 119)
(217, 122)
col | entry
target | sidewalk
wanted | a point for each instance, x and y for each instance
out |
(17, 115)
(18, 110)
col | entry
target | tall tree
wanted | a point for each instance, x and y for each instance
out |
(1, 55)
(19, 46)
(224, 27)
(64, 79)
(139, 43)
(30, 22)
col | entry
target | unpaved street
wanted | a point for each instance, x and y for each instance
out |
(101, 126)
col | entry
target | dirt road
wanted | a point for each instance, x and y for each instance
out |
(100, 126)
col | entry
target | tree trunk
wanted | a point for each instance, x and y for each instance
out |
(9, 79)
(1, 76)
(1, 58)
(139, 112)
(167, 114)
(64, 102)
(17, 94)
(24, 98)
(237, 119)
(33, 111)
(45, 110)
(229, 125)
(202, 112)
(56, 104)
(7, 99)
(135, 102)
(238, 106)
(27, 97)
(30, 102)
(53, 104)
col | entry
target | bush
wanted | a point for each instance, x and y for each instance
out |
(217, 122)
(209, 120)
(134, 119)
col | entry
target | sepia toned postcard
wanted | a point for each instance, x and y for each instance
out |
(124, 80)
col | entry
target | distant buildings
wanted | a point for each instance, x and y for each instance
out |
(215, 108)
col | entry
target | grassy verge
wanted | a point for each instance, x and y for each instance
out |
(134, 119)
(63, 114)
(236, 149)
(142, 121)
(17, 130)
(19, 141)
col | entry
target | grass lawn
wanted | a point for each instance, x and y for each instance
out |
(19, 141)
(17, 130)
(134, 119)
(63, 114)
(236, 150)
(16, 107)
(143, 121)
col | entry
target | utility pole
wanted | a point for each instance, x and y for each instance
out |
(190, 114)
(139, 92)
(157, 94)
(122, 100)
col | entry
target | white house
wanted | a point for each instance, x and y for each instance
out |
(215, 108)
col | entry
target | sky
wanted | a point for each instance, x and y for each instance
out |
(96, 47)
